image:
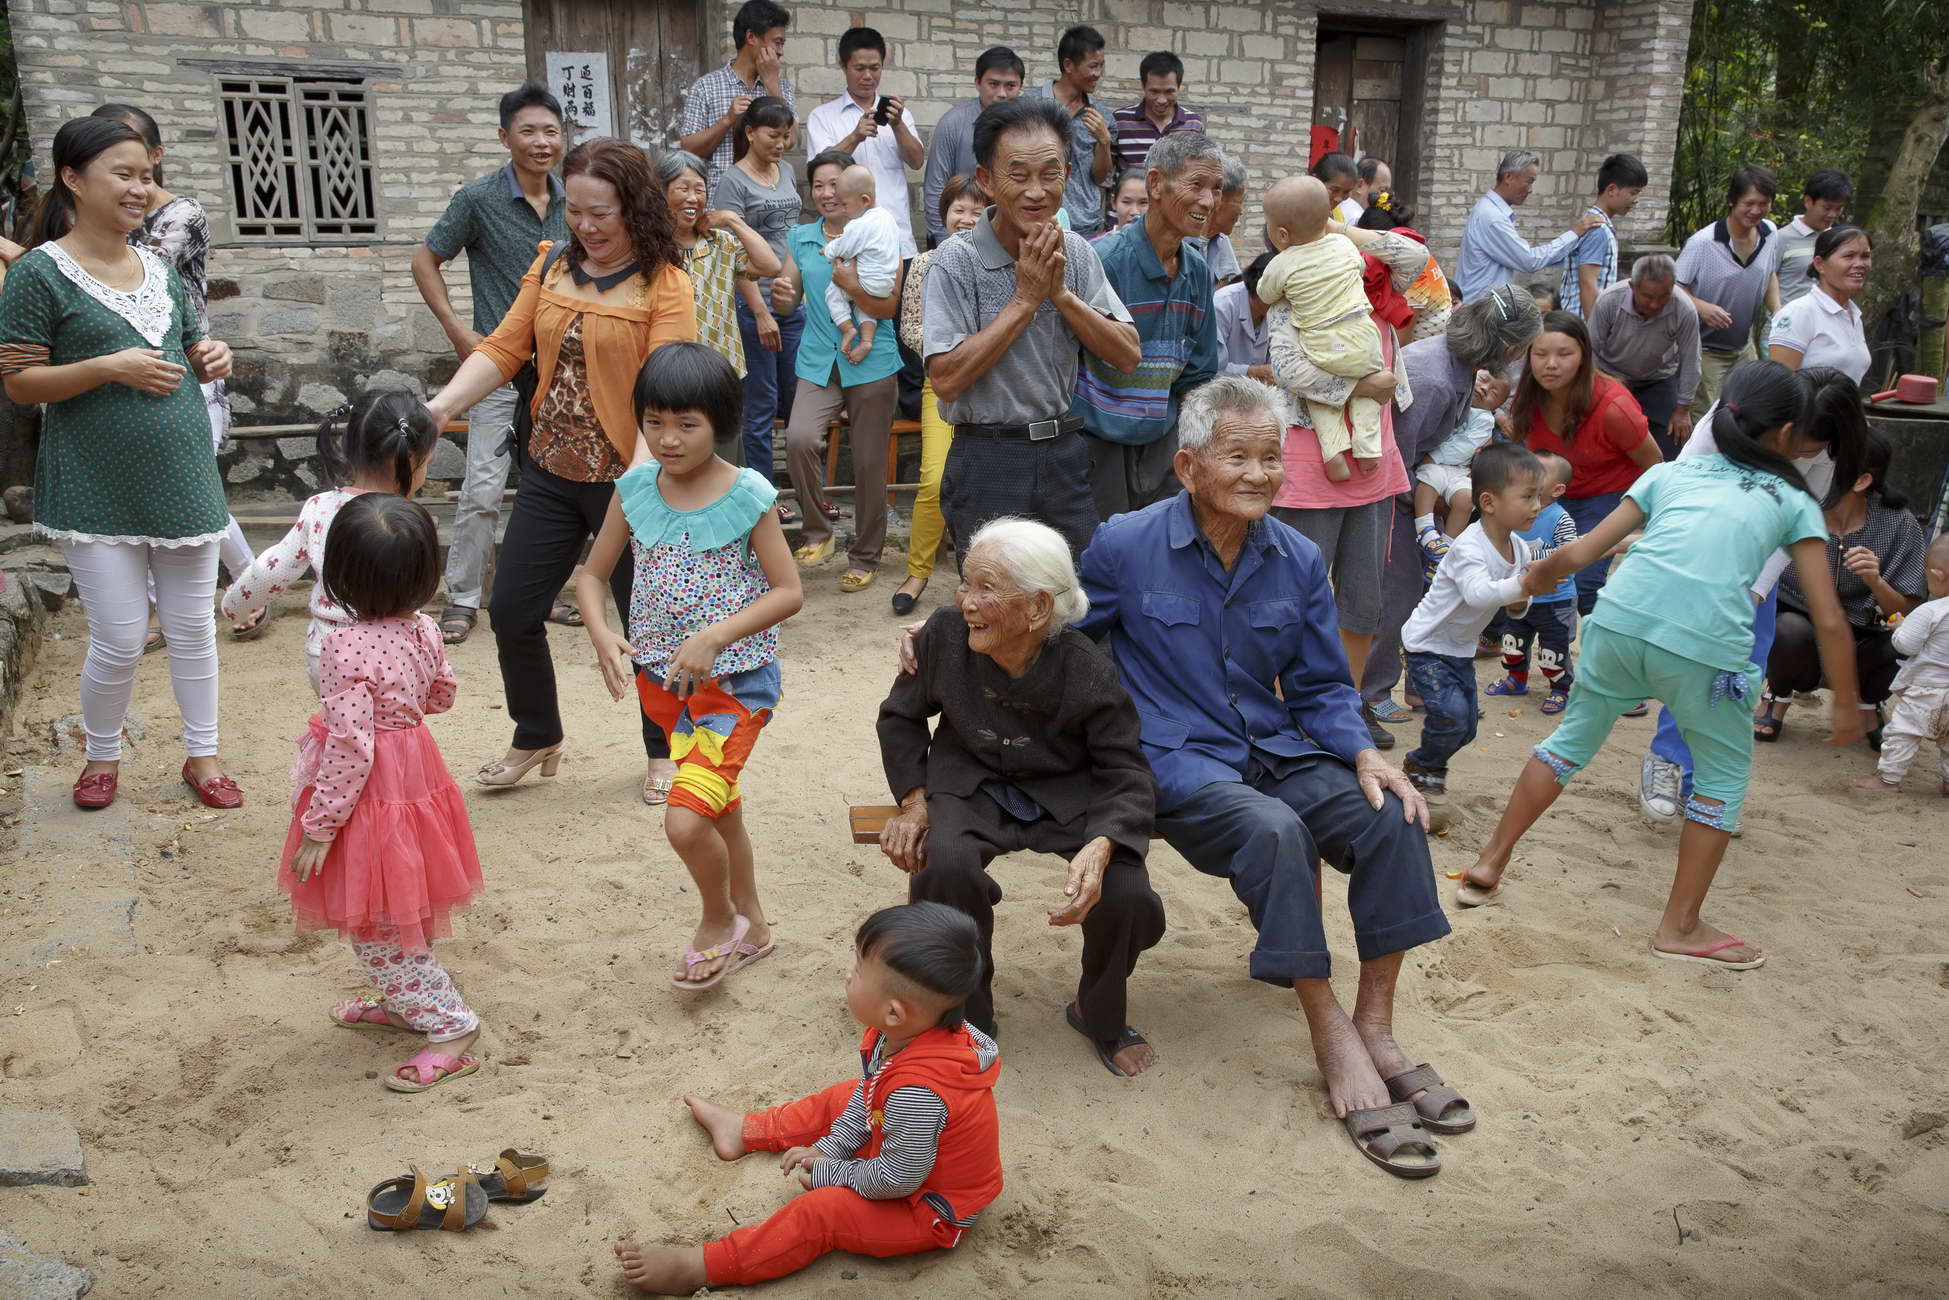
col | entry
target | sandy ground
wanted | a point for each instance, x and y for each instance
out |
(1648, 1129)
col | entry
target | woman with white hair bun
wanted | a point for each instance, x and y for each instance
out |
(1036, 749)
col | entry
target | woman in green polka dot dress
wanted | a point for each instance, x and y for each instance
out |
(126, 482)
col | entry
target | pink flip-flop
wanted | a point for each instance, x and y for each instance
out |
(735, 948)
(1704, 957)
(368, 1013)
(750, 954)
(433, 1069)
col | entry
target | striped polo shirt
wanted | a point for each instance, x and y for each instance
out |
(1175, 327)
(1136, 133)
(1709, 269)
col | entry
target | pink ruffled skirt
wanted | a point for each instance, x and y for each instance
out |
(402, 862)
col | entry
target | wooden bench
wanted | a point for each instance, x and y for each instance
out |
(869, 819)
(835, 433)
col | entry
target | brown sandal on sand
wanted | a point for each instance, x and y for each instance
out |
(1381, 1132)
(454, 1203)
(513, 1177)
(1442, 1109)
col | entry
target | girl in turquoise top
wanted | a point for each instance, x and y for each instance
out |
(1673, 627)
(713, 581)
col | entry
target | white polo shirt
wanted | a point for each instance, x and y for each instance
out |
(1824, 332)
(832, 122)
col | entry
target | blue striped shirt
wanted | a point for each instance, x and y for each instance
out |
(1175, 327)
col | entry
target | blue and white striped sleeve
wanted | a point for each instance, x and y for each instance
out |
(1566, 531)
(912, 1122)
(849, 1131)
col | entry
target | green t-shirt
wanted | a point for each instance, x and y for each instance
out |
(1687, 584)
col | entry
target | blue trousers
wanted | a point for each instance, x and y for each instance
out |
(770, 380)
(1267, 832)
(1446, 686)
(1666, 742)
(1587, 513)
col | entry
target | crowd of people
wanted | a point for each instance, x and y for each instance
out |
(1205, 518)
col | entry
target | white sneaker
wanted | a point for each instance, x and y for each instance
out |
(1659, 789)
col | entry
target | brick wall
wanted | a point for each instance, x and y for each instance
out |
(1572, 79)
(310, 325)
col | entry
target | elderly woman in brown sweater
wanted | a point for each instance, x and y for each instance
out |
(1037, 748)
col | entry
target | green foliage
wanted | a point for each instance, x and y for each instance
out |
(1796, 86)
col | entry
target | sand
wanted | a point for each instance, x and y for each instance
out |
(1647, 1128)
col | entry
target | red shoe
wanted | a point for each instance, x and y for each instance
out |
(217, 792)
(95, 790)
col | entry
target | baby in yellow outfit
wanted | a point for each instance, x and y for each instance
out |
(1318, 276)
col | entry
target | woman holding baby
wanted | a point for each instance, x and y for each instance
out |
(829, 381)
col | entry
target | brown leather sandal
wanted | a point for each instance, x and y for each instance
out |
(454, 1203)
(1384, 1134)
(1442, 1109)
(513, 1177)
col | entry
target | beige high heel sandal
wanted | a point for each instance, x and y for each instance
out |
(503, 773)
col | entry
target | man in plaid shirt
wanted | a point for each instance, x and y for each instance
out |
(716, 100)
(1591, 266)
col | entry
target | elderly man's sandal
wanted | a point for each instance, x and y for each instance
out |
(1382, 1133)
(1442, 1109)
(1106, 1051)
(454, 1203)
(513, 1177)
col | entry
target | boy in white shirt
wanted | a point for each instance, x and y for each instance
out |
(871, 240)
(1481, 575)
(1922, 686)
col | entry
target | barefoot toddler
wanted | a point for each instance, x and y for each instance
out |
(1922, 686)
(897, 1162)
(872, 242)
(1319, 277)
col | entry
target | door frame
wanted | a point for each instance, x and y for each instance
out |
(1421, 36)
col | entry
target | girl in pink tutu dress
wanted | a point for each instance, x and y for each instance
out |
(379, 847)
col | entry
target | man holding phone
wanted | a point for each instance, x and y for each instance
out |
(877, 130)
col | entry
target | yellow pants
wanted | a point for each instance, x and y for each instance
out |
(924, 542)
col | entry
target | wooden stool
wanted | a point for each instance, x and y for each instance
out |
(868, 820)
(835, 432)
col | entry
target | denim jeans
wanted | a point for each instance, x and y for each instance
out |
(770, 379)
(479, 508)
(1658, 398)
(1587, 513)
(1446, 685)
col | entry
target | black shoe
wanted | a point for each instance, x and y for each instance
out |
(1382, 737)
(903, 602)
(1430, 782)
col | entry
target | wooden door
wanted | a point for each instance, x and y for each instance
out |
(1366, 87)
(651, 50)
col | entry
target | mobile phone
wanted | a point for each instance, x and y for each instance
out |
(880, 112)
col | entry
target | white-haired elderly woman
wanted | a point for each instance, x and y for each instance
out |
(725, 258)
(1036, 749)
(1224, 633)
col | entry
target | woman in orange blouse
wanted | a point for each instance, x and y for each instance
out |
(587, 319)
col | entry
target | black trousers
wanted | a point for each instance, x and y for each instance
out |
(1049, 481)
(1794, 664)
(966, 834)
(551, 520)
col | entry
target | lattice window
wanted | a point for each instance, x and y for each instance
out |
(300, 155)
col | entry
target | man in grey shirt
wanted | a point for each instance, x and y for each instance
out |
(999, 74)
(1647, 336)
(1092, 145)
(1727, 270)
(1008, 311)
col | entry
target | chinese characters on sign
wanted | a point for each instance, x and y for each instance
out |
(581, 82)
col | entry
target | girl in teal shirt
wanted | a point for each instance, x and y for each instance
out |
(1674, 627)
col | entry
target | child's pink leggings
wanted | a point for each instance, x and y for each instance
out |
(416, 988)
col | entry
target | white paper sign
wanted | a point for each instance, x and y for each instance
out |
(581, 82)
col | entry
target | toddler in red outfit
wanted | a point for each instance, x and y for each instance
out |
(894, 1163)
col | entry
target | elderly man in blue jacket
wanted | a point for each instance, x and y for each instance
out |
(1224, 631)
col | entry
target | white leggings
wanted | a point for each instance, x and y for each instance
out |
(112, 578)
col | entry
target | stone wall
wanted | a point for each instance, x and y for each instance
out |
(1573, 79)
(310, 325)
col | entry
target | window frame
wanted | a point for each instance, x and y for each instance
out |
(302, 98)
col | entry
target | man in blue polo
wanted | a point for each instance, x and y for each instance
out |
(1130, 419)
(497, 221)
(1224, 631)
